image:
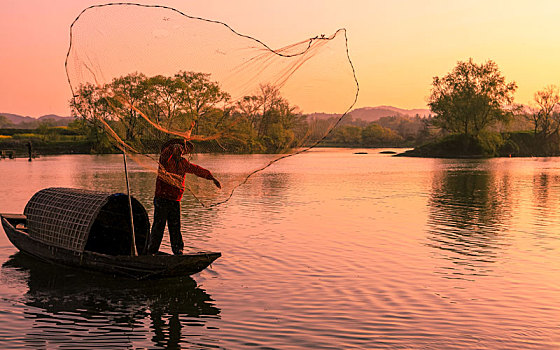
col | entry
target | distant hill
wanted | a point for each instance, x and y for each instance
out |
(371, 114)
(367, 114)
(323, 116)
(26, 122)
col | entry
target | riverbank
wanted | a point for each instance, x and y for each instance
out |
(489, 145)
(19, 148)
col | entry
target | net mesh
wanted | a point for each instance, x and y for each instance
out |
(146, 74)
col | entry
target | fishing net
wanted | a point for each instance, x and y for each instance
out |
(145, 75)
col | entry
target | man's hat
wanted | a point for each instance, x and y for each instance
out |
(189, 146)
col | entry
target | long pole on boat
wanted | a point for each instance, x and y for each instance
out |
(133, 251)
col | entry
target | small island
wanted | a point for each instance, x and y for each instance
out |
(476, 117)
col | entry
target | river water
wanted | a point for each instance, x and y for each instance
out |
(325, 250)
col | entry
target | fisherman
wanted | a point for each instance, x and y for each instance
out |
(170, 185)
(29, 150)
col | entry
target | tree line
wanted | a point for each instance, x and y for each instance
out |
(474, 107)
(146, 111)
(264, 122)
(390, 131)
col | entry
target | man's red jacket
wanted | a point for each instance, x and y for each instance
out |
(170, 183)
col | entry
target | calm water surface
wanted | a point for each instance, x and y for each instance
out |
(328, 249)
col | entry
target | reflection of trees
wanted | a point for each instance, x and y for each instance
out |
(74, 308)
(541, 183)
(468, 210)
(544, 206)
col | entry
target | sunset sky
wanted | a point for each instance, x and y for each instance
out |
(396, 46)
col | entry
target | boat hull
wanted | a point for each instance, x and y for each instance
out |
(139, 267)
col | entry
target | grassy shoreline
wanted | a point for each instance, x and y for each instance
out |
(58, 141)
(39, 147)
(44, 148)
(488, 145)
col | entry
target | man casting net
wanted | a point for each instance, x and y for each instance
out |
(143, 75)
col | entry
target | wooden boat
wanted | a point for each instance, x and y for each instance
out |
(92, 230)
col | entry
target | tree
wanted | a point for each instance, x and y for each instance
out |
(126, 93)
(545, 121)
(90, 106)
(162, 104)
(375, 135)
(347, 135)
(471, 97)
(272, 121)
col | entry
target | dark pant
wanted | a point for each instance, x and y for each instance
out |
(168, 211)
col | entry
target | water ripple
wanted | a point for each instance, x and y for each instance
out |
(326, 251)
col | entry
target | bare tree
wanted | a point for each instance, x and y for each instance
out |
(543, 116)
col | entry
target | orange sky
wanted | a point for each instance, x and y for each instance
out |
(396, 46)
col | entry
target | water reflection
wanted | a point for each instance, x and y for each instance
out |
(469, 211)
(544, 212)
(545, 194)
(73, 308)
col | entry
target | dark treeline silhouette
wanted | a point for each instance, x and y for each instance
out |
(390, 131)
(143, 112)
(474, 116)
(264, 122)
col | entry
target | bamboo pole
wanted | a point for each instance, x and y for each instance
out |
(133, 251)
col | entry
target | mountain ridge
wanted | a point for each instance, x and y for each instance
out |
(368, 114)
(18, 119)
(27, 122)
(371, 114)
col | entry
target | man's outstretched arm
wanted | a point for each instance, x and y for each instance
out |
(203, 173)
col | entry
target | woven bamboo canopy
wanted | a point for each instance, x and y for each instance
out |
(79, 220)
